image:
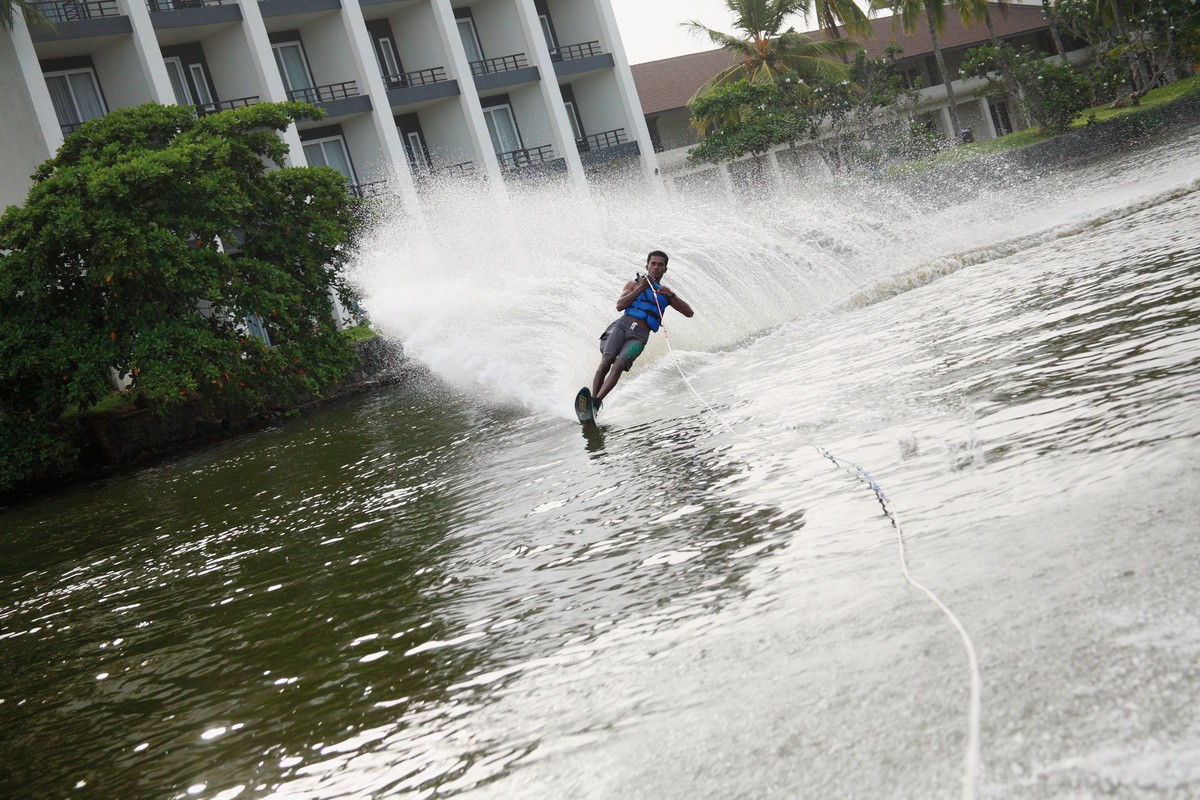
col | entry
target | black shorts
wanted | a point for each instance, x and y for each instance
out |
(624, 339)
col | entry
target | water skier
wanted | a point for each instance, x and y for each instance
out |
(644, 300)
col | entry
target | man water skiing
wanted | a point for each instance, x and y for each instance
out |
(644, 300)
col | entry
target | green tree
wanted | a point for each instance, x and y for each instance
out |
(765, 50)
(933, 12)
(10, 8)
(1050, 91)
(846, 118)
(754, 117)
(144, 246)
(832, 13)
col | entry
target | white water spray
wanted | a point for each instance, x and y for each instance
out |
(507, 296)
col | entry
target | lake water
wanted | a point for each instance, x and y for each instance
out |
(450, 589)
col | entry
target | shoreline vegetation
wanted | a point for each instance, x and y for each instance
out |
(1157, 110)
(115, 436)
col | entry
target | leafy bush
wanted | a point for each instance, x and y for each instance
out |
(144, 246)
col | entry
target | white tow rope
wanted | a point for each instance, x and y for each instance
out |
(974, 714)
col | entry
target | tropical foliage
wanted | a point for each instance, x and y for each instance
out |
(751, 118)
(911, 13)
(832, 13)
(1156, 39)
(148, 248)
(10, 8)
(1049, 91)
(766, 51)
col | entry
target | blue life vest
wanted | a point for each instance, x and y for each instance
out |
(645, 307)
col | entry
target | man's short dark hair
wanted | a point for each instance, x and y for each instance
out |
(660, 254)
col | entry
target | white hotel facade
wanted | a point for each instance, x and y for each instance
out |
(502, 90)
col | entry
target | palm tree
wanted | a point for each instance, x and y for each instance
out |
(832, 13)
(911, 12)
(9, 9)
(764, 49)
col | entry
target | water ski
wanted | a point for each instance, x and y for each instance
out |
(584, 408)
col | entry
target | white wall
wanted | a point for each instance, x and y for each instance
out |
(499, 28)
(446, 134)
(122, 79)
(328, 49)
(370, 160)
(25, 127)
(599, 104)
(574, 22)
(417, 40)
(532, 118)
(231, 66)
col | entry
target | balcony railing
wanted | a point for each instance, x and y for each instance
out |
(326, 93)
(72, 10)
(156, 6)
(601, 141)
(526, 157)
(366, 191)
(225, 105)
(420, 77)
(570, 52)
(464, 169)
(491, 66)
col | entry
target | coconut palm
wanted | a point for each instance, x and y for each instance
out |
(832, 13)
(10, 8)
(764, 49)
(910, 14)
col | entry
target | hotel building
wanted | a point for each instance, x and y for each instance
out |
(502, 90)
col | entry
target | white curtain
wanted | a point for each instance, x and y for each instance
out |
(329, 153)
(466, 29)
(503, 129)
(175, 72)
(290, 59)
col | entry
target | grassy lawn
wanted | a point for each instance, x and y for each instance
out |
(1099, 114)
(358, 333)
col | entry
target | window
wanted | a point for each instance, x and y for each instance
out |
(200, 82)
(183, 95)
(75, 94)
(385, 53)
(330, 152)
(417, 156)
(573, 116)
(293, 67)
(470, 39)
(1000, 118)
(548, 32)
(502, 127)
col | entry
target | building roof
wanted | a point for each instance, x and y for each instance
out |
(671, 82)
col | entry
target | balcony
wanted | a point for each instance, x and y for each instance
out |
(75, 10)
(203, 109)
(601, 141)
(367, 191)
(526, 157)
(495, 66)
(572, 52)
(157, 6)
(465, 169)
(577, 59)
(325, 94)
(420, 77)
(600, 148)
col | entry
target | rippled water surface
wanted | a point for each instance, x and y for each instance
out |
(449, 588)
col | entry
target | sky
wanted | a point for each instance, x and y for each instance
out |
(650, 29)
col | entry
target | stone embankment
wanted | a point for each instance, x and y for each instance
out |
(958, 182)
